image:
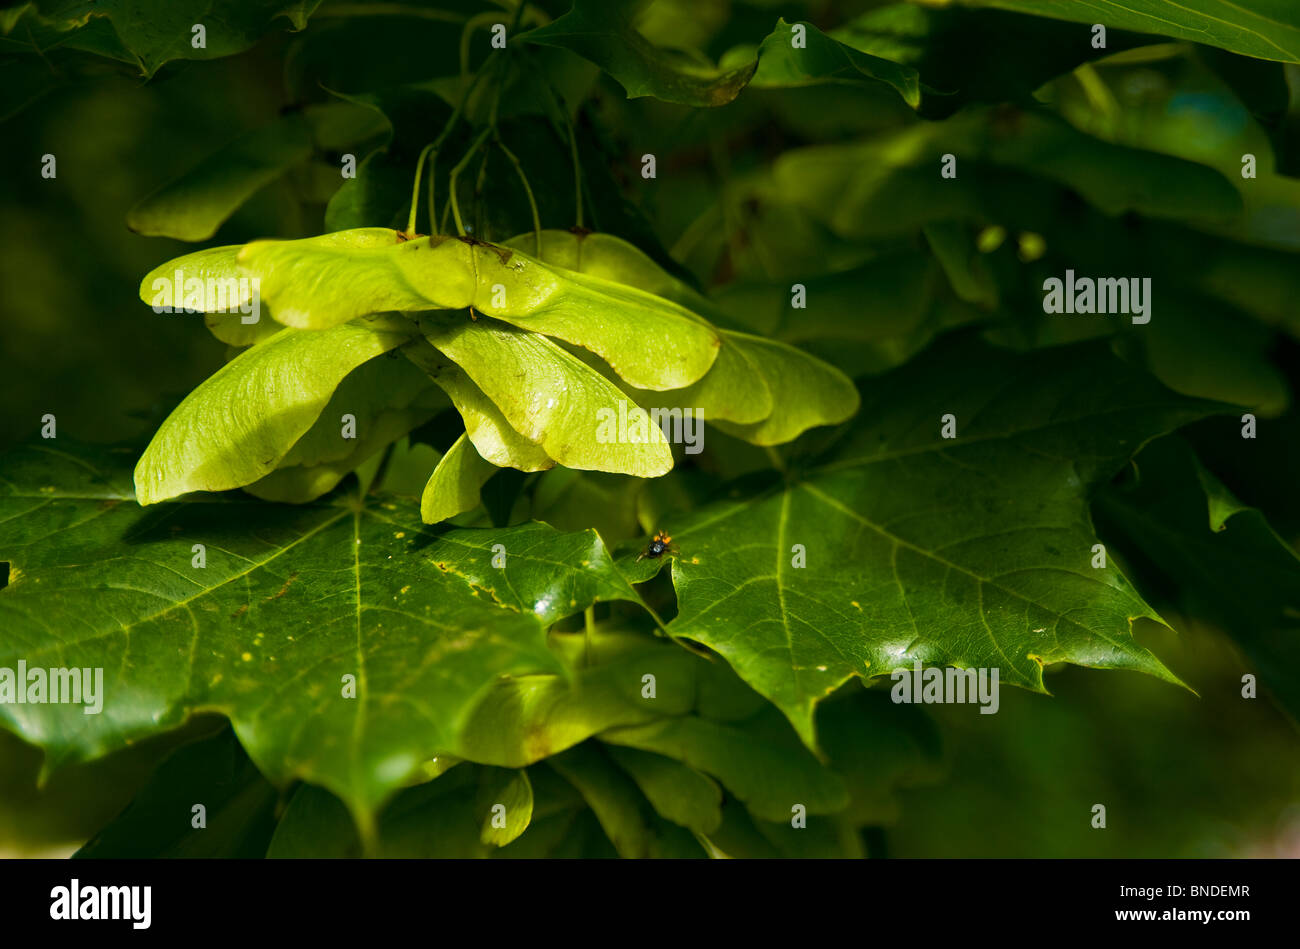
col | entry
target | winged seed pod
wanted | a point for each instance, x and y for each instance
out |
(344, 299)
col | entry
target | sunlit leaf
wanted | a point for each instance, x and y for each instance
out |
(242, 422)
(552, 398)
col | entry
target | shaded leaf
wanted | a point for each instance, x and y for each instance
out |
(438, 819)
(625, 815)
(150, 33)
(527, 718)
(761, 762)
(823, 58)
(886, 186)
(677, 793)
(238, 808)
(964, 56)
(1265, 29)
(878, 747)
(571, 500)
(193, 206)
(542, 571)
(603, 31)
(1229, 565)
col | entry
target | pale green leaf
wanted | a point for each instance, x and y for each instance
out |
(299, 483)
(487, 428)
(505, 799)
(318, 282)
(454, 485)
(240, 423)
(804, 390)
(552, 398)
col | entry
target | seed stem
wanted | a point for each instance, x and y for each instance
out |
(532, 202)
(432, 150)
(452, 202)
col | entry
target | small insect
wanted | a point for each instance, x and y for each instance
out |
(660, 544)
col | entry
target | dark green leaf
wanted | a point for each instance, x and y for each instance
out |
(290, 600)
(973, 551)
(603, 31)
(193, 206)
(1229, 565)
(1265, 29)
(237, 817)
(821, 58)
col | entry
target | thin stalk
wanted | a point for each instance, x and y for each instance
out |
(519, 15)
(1097, 92)
(433, 177)
(478, 195)
(532, 202)
(558, 102)
(431, 150)
(474, 22)
(467, 34)
(452, 202)
(415, 190)
(577, 171)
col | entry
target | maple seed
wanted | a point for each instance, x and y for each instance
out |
(661, 544)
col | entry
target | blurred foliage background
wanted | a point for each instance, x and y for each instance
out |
(1180, 774)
